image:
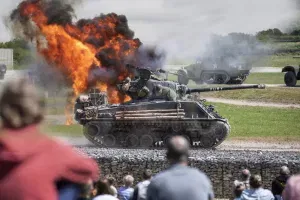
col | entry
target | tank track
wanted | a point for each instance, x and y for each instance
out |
(207, 133)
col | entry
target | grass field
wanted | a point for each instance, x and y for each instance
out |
(250, 122)
(258, 122)
(63, 130)
(271, 95)
(265, 78)
(277, 61)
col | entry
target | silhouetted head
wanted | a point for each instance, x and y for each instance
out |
(147, 174)
(21, 104)
(178, 150)
(110, 179)
(83, 98)
(284, 170)
(255, 181)
(239, 187)
(103, 188)
(245, 174)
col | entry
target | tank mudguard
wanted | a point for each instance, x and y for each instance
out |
(291, 69)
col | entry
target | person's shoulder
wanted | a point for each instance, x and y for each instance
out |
(189, 171)
(196, 173)
(105, 197)
(247, 192)
(267, 192)
(160, 177)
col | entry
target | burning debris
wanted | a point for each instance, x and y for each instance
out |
(90, 52)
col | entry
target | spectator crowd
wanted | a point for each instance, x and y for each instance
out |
(36, 167)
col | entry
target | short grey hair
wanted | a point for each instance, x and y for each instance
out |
(21, 104)
(128, 180)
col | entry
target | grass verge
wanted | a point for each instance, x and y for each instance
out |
(258, 122)
(74, 130)
(265, 78)
(270, 95)
(277, 61)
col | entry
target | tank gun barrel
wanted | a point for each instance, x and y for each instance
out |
(212, 89)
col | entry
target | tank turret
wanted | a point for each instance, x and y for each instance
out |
(149, 120)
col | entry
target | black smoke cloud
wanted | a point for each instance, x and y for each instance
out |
(147, 56)
(62, 13)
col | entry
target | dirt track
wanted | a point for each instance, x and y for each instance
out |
(226, 145)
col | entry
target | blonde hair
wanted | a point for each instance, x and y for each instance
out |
(128, 180)
(21, 104)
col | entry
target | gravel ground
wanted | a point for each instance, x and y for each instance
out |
(226, 145)
(253, 156)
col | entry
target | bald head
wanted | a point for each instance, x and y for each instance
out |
(246, 174)
(284, 170)
(178, 149)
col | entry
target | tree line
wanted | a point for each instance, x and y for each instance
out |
(24, 56)
(22, 53)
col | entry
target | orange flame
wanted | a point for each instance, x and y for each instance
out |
(67, 48)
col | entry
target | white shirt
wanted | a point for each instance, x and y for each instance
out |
(105, 197)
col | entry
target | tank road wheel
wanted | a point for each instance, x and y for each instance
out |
(98, 134)
(92, 130)
(183, 77)
(166, 139)
(208, 78)
(132, 140)
(290, 79)
(220, 78)
(146, 141)
(109, 140)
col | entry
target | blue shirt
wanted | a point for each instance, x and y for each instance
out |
(255, 194)
(125, 193)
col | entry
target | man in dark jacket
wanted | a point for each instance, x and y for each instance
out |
(279, 183)
(179, 181)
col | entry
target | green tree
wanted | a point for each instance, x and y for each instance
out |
(22, 53)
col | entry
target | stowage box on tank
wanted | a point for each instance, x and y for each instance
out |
(151, 121)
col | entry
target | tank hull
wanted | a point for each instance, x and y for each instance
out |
(150, 124)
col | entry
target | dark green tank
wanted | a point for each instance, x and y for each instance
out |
(150, 121)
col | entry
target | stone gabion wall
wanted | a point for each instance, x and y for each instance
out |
(222, 167)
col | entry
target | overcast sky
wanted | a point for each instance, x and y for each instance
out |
(180, 24)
